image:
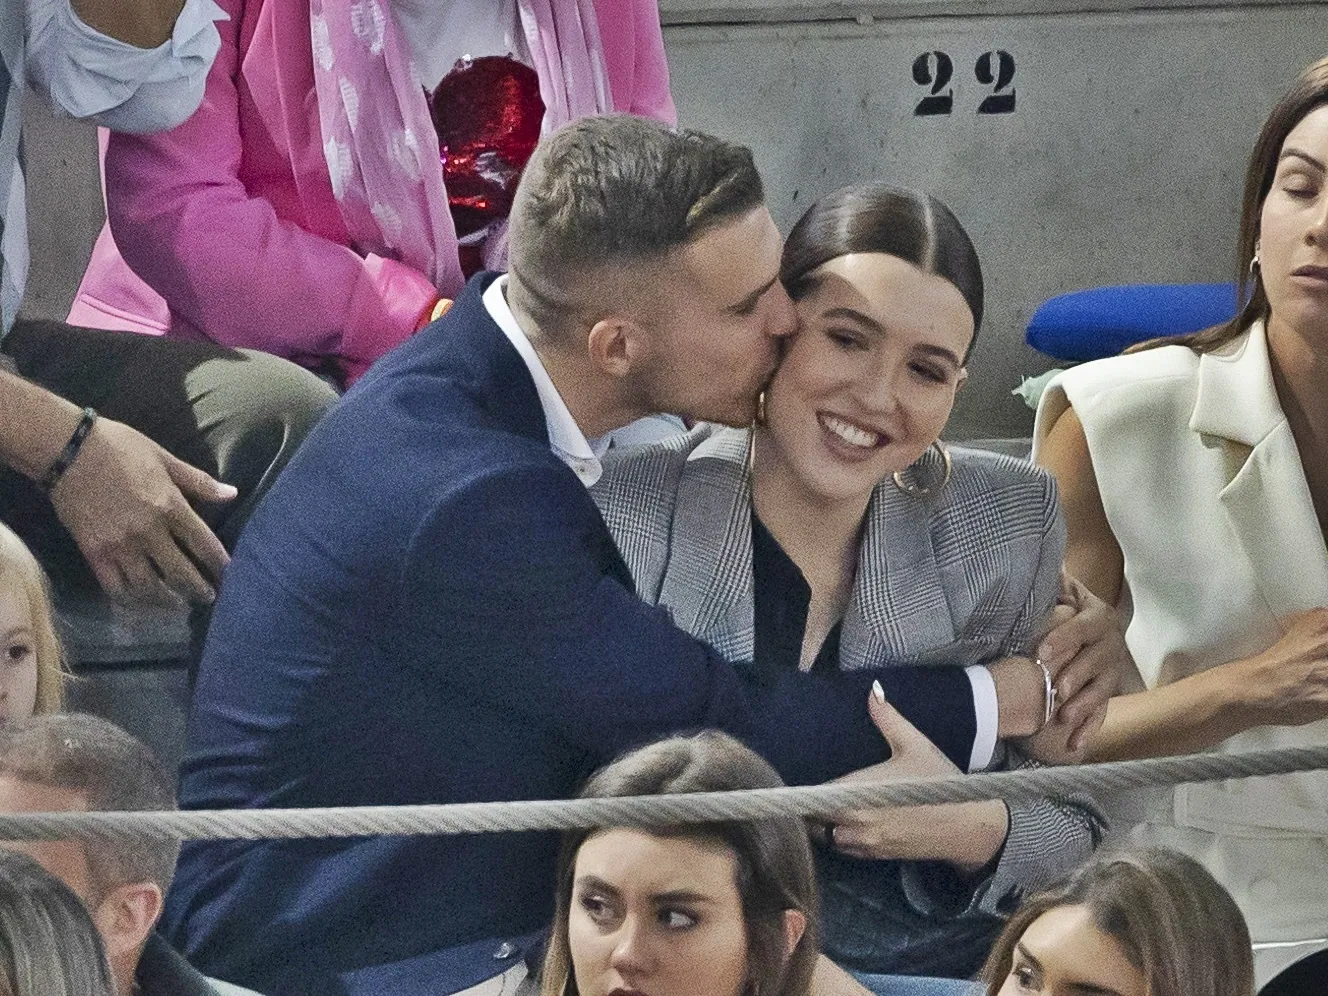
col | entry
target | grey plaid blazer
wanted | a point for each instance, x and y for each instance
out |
(963, 578)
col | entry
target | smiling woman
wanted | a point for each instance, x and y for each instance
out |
(838, 534)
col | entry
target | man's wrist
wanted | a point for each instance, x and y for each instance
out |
(1020, 696)
(34, 425)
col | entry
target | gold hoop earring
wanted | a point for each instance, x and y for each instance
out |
(918, 491)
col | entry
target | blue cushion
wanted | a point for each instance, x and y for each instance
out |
(1090, 324)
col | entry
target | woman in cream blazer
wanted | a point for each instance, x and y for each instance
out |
(841, 508)
(1195, 482)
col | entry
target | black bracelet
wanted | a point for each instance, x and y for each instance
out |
(70, 451)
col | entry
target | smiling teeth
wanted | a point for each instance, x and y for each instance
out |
(850, 434)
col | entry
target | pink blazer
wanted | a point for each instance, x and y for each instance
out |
(230, 221)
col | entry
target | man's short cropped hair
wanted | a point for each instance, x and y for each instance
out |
(617, 190)
(110, 770)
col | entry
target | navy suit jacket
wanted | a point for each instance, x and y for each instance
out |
(427, 607)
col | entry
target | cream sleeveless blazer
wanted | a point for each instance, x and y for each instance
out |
(1203, 488)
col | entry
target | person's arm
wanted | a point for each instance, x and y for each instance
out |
(227, 264)
(123, 498)
(1092, 554)
(580, 656)
(965, 856)
(137, 65)
(1285, 685)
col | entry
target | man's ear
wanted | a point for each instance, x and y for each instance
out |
(795, 925)
(616, 345)
(126, 917)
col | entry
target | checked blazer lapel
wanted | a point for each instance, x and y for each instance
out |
(708, 584)
(899, 601)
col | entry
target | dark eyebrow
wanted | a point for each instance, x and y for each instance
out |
(853, 315)
(677, 896)
(682, 896)
(1027, 955)
(17, 630)
(1298, 154)
(1086, 988)
(749, 302)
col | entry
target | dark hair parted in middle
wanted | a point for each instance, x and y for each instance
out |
(773, 855)
(875, 217)
(617, 190)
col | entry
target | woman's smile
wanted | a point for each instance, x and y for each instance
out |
(853, 438)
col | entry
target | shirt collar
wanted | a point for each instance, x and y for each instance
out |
(566, 440)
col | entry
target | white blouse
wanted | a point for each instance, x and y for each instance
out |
(441, 32)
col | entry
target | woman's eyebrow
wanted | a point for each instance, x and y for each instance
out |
(1027, 955)
(940, 351)
(16, 631)
(1298, 154)
(853, 315)
(682, 896)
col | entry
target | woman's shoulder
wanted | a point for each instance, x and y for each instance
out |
(986, 480)
(641, 480)
(1133, 378)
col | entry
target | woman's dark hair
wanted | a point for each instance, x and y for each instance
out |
(874, 217)
(1309, 92)
(48, 943)
(774, 860)
(1171, 918)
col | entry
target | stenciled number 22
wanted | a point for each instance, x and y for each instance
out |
(993, 69)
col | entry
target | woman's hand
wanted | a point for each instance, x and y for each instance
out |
(1085, 650)
(967, 835)
(1287, 684)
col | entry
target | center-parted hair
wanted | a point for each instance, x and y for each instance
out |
(774, 860)
(48, 943)
(875, 217)
(111, 770)
(616, 190)
(1173, 921)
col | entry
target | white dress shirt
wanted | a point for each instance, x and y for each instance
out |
(568, 442)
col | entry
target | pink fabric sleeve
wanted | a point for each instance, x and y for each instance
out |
(226, 264)
(651, 96)
(634, 58)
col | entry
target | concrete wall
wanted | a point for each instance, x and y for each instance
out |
(1121, 160)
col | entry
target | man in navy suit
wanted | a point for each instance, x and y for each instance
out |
(429, 608)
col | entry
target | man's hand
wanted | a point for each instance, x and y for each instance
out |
(125, 500)
(1086, 653)
(966, 834)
